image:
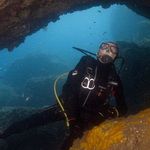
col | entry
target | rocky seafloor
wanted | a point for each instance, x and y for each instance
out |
(47, 137)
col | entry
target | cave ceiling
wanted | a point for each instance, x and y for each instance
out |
(19, 18)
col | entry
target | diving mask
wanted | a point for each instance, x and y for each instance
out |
(107, 52)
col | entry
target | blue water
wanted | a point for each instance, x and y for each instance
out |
(85, 29)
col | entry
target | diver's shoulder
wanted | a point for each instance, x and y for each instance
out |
(88, 59)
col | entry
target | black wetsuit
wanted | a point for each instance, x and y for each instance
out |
(91, 106)
(80, 102)
(79, 99)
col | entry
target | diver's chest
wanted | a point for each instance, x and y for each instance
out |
(97, 82)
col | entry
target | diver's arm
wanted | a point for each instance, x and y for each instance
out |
(70, 96)
(71, 89)
(51, 114)
(120, 99)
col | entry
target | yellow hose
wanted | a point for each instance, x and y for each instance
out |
(57, 98)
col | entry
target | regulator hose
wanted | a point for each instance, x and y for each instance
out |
(57, 98)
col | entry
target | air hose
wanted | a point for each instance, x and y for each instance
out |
(57, 98)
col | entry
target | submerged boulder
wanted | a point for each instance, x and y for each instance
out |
(131, 133)
(40, 138)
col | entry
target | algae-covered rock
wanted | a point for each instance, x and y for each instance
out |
(131, 133)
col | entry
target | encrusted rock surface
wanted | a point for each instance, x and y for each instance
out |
(20, 18)
(131, 133)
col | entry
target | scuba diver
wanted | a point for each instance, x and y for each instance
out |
(86, 97)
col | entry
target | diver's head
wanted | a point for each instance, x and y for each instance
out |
(107, 52)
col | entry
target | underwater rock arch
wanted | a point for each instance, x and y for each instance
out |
(20, 18)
